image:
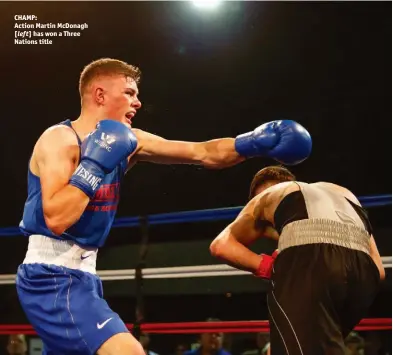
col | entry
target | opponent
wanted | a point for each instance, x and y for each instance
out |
(327, 270)
(74, 178)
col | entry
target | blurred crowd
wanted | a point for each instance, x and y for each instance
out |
(216, 344)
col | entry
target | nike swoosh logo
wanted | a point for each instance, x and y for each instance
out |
(84, 257)
(345, 218)
(102, 325)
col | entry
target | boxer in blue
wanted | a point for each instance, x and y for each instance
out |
(74, 178)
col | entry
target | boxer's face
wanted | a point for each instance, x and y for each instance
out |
(211, 341)
(16, 345)
(180, 349)
(261, 340)
(120, 98)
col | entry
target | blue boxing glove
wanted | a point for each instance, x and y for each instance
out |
(101, 152)
(285, 141)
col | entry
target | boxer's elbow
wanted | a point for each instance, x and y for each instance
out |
(215, 248)
(218, 248)
(55, 224)
(64, 209)
(55, 219)
(55, 228)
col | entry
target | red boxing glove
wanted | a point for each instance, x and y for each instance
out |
(265, 267)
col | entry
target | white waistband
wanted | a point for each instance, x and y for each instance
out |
(317, 231)
(45, 250)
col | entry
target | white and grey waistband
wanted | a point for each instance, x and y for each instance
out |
(45, 250)
(324, 231)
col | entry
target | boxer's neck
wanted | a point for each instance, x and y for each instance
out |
(86, 123)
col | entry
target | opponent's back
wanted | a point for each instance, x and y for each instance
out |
(94, 224)
(329, 201)
(320, 213)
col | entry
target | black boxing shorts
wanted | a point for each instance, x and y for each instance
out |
(319, 293)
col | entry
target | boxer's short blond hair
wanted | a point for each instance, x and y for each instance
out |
(107, 67)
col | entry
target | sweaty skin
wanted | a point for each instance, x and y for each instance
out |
(256, 220)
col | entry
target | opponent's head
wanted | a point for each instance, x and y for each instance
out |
(268, 176)
(111, 87)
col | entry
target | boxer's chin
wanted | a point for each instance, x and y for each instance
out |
(126, 121)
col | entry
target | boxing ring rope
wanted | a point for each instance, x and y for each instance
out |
(181, 217)
(200, 215)
(206, 327)
(175, 272)
(191, 271)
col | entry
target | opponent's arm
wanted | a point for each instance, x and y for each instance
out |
(231, 244)
(57, 156)
(286, 141)
(374, 253)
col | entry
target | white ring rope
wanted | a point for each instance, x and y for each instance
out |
(176, 272)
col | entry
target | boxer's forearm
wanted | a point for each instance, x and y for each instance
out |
(234, 253)
(64, 208)
(213, 154)
(220, 153)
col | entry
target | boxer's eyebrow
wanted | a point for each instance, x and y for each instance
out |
(131, 91)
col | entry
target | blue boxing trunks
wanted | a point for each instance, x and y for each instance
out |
(63, 297)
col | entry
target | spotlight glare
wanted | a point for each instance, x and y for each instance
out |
(206, 4)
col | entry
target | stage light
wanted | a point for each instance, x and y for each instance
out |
(206, 4)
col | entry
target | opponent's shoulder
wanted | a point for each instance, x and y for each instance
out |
(266, 202)
(340, 190)
(279, 191)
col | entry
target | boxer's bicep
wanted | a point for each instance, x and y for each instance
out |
(261, 219)
(56, 158)
(245, 230)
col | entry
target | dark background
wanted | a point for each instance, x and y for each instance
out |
(207, 75)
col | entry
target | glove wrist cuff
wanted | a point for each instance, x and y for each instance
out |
(244, 145)
(87, 177)
(265, 267)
